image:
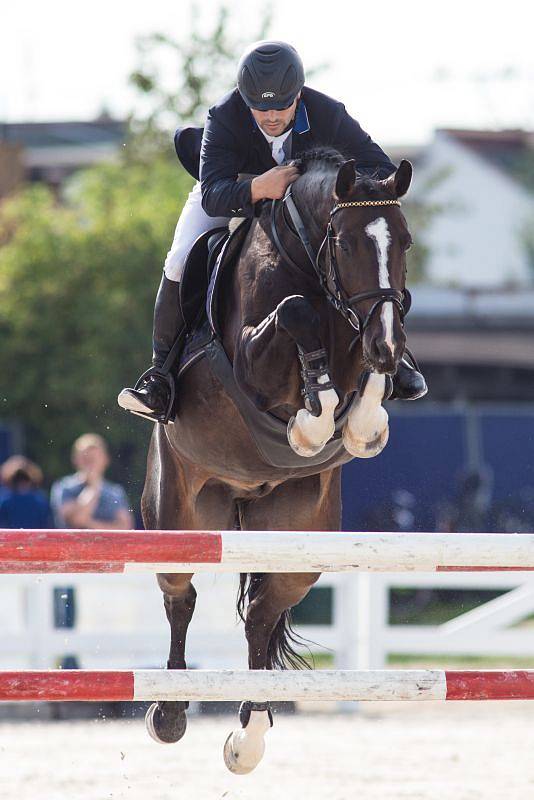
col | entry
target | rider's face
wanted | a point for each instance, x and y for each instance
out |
(275, 122)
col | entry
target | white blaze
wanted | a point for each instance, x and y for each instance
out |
(378, 231)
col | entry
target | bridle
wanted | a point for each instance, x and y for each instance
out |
(328, 275)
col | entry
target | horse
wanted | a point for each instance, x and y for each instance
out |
(312, 326)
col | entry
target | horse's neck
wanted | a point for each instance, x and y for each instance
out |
(264, 279)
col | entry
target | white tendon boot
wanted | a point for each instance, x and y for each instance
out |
(307, 434)
(366, 432)
(244, 748)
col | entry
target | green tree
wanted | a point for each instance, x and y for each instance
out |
(78, 279)
(420, 214)
(77, 285)
(203, 68)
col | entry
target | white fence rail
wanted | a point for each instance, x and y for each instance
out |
(483, 631)
(120, 621)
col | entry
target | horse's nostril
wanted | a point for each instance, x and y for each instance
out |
(383, 350)
(380, 355)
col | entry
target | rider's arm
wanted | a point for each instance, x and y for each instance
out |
(351, 140)
(222, 194)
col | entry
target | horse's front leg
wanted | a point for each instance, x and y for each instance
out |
(366, 431)
(166, 720)
(266, 363)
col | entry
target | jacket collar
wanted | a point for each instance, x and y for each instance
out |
(302, 123)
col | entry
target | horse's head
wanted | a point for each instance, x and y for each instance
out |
(367, 242)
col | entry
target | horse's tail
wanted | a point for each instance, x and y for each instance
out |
(281, 651)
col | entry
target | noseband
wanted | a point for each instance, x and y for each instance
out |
(329, 278)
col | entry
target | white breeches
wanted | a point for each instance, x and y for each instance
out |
(192, 222)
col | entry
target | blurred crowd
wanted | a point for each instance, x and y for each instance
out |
(471, 507)
(85, 499)
(81, 499)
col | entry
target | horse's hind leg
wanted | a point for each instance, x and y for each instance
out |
(311, 503)
(165, 505)
(166, 720)
(175, 499)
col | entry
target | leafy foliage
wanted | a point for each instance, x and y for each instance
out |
(78, 278)
(420, 215)
(203, 65)
(77, 286)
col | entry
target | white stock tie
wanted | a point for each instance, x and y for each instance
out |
(278, 151)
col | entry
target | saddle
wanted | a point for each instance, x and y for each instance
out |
(209, 264)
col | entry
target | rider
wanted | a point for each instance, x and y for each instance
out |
(266, 120)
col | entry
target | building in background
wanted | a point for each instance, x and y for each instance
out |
(49, 152)
(480, 180)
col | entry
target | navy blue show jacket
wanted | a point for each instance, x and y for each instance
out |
(231, 144)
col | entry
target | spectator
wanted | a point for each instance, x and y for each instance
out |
(395, 513)
(86, 499)
(22, 503)
(470, 510)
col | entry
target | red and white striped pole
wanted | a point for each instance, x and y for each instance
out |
(39, 551)
(265, 685)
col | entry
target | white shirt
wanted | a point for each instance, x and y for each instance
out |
(277, 144)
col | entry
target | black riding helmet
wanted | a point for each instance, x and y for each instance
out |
(270, 75)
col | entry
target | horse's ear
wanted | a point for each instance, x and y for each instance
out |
(399, 182)
(345, 180)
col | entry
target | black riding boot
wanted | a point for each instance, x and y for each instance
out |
(408, 381)
(153, 394)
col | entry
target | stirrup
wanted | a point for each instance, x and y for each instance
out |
(411, 360)
(165, 417)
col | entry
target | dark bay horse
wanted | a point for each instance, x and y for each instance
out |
(304, 331)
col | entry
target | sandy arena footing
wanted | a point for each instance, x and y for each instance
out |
(389, 751)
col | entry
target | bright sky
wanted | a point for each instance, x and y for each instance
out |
(401, 68)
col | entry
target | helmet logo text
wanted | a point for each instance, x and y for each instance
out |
(268, 94)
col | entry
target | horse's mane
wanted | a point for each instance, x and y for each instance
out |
(318, 167)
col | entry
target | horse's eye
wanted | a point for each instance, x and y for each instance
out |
(342, 244)
(408, 243)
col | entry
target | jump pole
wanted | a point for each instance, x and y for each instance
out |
(266, 685)
(57, 551)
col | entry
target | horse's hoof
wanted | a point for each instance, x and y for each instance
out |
(301, 449)
(241, 761)
(362, 449)
(165, 728)
(244, 748)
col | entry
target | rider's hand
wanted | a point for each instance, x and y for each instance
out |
(273, 183)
